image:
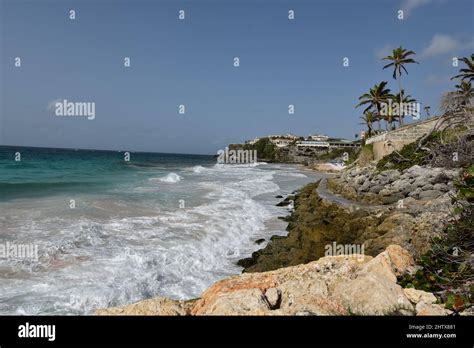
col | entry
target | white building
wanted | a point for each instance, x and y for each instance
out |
(282, 140)
(318, 137)
(252, 142)
(312, 143)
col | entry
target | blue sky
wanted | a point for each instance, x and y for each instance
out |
(190, 62)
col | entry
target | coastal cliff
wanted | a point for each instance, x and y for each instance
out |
(268, 152)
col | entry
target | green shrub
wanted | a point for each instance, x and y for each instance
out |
(446, 268)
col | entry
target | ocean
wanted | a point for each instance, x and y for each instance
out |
(110, 232)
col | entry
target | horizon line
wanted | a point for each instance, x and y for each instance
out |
(83, 149)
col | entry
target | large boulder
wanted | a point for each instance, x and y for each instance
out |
(373, 294)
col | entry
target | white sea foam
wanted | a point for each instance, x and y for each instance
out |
(296, 175)
(198, 169)
(171, 178)
(116, 256)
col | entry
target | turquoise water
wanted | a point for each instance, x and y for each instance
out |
(159, 225)
(55, 171)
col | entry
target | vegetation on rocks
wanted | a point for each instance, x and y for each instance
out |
(450, 148)
(407, 157)
(352, 154)
(447, 269)
(265, 149)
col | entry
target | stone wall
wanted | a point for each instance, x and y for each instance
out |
(386, 143)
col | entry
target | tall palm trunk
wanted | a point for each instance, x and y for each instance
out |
(399, 79)
(377, 106)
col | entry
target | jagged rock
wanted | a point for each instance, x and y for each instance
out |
(416, 170)
(419, 182)
(155, 306)
(360, 179)
(423, 308)
(441, 178)
(241, 302)
(406, 188)
(430, 194)
(415, 194)
(373, 294)
(285, 291)
(392, 174)
(365, 186)
(440, 187)
(399, 185)
(416, 296)
(333, 285)
(376, 189)
(273, 297)
(468, 312)
(427, 187)
(394, 197)
(393, 262)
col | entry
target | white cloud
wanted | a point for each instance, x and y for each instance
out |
(409, 5)
(442, 44)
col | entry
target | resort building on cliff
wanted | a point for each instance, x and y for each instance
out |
(252, 142)
(326, 142)
(317, 137)
(282, 140)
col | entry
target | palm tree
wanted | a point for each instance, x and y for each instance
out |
(407, 99)
(374, 99)
(389, 115)
(465, 92)
(369, 119)
(399, 58)
(468, 72)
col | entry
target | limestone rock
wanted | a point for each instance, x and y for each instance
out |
(333, 285)
(430, 194)
(400, 260)
(273, 296)
(373, 294)
(246, 291)
(423, 308)
(240, 302)
(155, 306)
(416, 296)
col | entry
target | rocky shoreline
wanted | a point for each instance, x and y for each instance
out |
(333, 285)
(292, 275)
(390, 215)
